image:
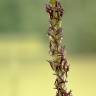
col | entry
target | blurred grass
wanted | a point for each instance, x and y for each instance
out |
(24, 47)
(25, 72)
(29, 17)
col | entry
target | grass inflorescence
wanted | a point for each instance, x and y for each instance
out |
(59, 62)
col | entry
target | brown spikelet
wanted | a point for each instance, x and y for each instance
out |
(58, 63)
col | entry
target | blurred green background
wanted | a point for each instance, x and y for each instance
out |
(24, 47)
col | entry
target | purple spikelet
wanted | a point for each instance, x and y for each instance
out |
(58, 63)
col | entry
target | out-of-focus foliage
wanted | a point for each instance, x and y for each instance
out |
(24, 47)
(29, 16)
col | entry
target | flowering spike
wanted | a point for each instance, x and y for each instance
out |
(58, 63)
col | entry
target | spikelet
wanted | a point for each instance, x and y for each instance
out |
(58, 63)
